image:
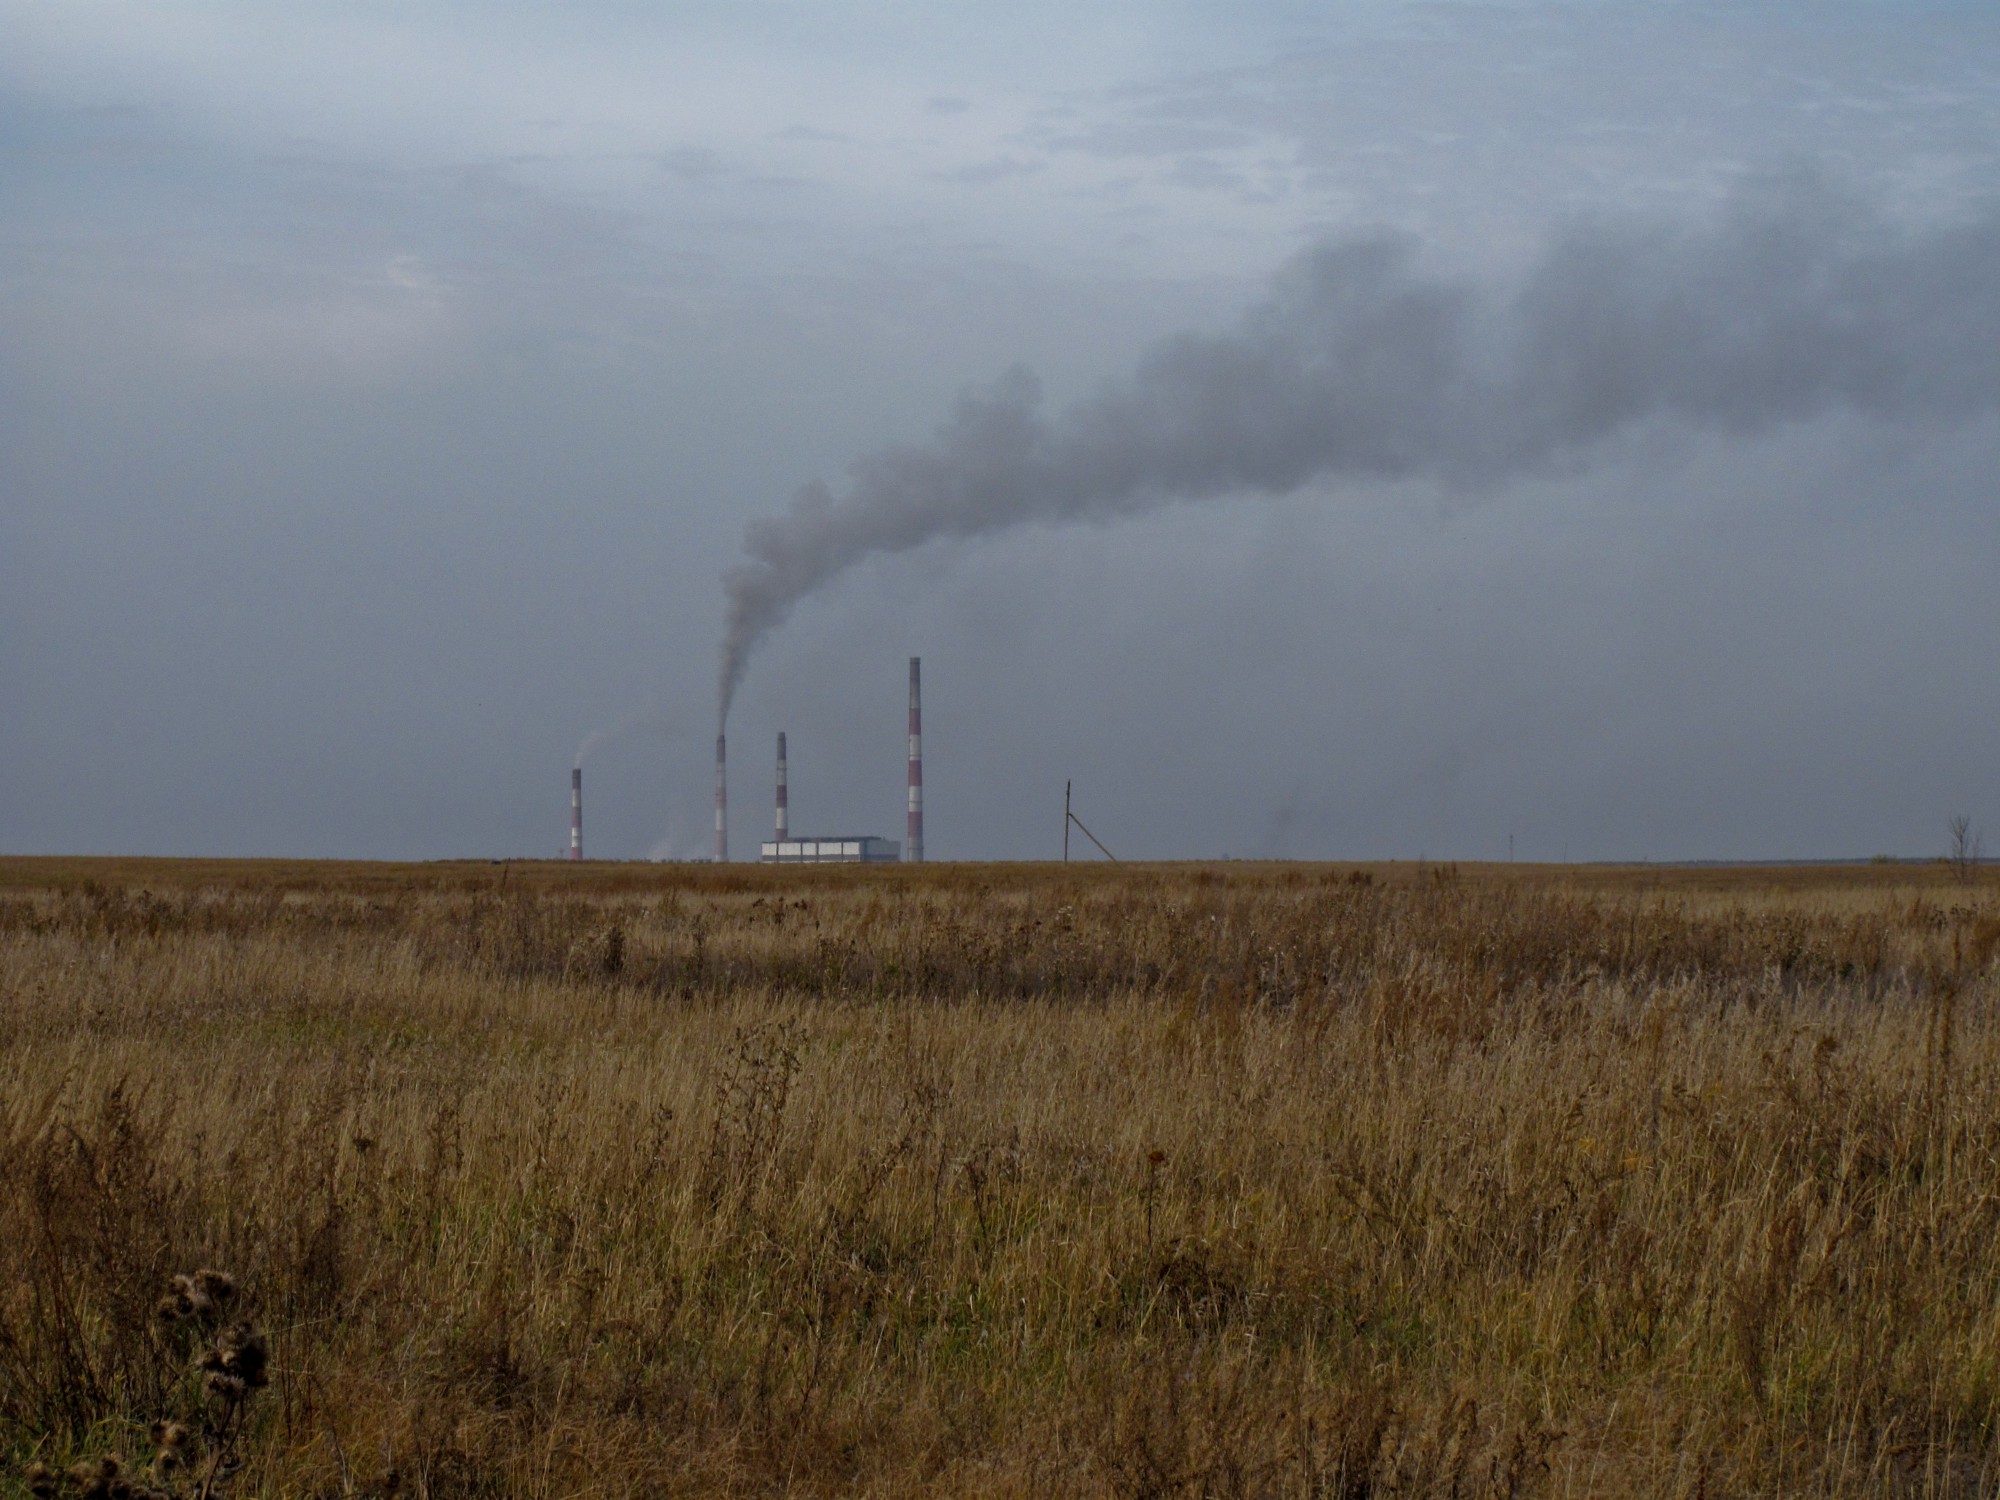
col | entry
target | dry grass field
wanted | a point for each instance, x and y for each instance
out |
(1103, 1181)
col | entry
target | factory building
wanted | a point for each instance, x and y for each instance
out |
(849, 849)
(839, 851)
(786, 850)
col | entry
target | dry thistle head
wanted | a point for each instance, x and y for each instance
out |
(40, 1479)
(170, 1440)
(178, 1306)
(202, 1298)
(95, 1481)
(237, 1362)
(219, 1287)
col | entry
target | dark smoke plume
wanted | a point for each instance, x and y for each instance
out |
(1360, 365)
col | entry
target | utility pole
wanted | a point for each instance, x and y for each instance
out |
(1069, 818)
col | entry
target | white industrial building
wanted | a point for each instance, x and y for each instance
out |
(839, 851)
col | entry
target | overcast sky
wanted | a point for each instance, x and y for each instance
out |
(386, 389)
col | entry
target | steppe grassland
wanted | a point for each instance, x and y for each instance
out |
(1140, 1181)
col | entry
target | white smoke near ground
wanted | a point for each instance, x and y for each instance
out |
(1362, 365)
(674, 844)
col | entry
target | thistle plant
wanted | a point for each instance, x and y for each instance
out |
(196, 1450)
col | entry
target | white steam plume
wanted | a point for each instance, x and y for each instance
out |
(1361, 365)
(655, 723)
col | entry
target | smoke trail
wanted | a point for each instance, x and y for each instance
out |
(1360, 365)
(598, 737)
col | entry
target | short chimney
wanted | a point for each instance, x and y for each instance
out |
(784, 820)
(576, 812)
(721, 800)
(913, 842)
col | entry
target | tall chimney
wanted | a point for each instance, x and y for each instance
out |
(784, 820)
(576, 812)
(721, 800)
(913, 845)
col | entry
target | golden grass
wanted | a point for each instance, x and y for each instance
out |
(1137, 1181)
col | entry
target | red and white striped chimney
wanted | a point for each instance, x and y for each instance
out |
(913, 846)
(576, 812)
(784, 819)
(721, 800)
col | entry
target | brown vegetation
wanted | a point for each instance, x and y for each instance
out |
(1147, 1182)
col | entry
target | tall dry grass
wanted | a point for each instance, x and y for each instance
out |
(1240, 1181)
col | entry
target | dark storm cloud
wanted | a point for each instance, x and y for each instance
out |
(1361, 365)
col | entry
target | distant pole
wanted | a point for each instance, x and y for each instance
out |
(1510, 848)
(1065, 822)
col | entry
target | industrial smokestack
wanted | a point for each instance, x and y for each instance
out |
(721, 800)
(576, 812)
(784, 820)
(913, 844)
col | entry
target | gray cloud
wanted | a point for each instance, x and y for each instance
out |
(693, 163)
(1363, 366)
(999, 168)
